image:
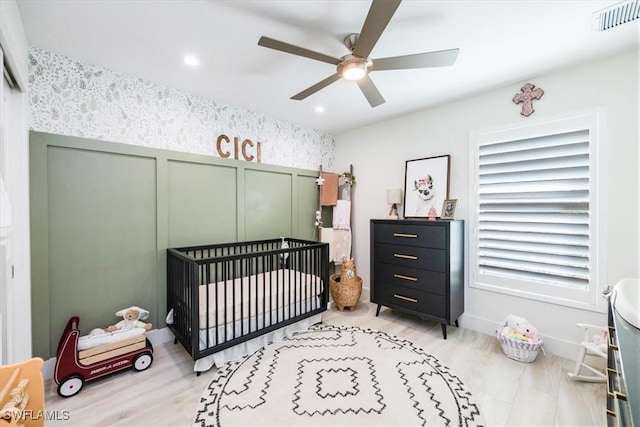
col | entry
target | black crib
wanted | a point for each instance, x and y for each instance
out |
(224, 294)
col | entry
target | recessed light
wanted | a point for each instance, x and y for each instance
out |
(319, 109)
(191, 60)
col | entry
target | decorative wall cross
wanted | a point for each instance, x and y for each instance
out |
(529, 93)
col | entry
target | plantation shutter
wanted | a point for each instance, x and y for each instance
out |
(533, 220)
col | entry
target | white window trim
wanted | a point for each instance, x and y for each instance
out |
(590, 299)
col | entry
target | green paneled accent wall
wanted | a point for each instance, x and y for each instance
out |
(267, 201)
(202, 204)
(103, 215)
(91, 220)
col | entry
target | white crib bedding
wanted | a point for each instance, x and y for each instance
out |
(90, 341)
(248, 347)
(250, 296)
(224, 332)
(286, 293)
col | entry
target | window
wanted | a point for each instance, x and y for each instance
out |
(535, 212)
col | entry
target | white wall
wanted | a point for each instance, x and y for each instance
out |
(16, 309)
(378, 153)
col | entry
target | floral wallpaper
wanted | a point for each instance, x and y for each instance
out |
(68, 97)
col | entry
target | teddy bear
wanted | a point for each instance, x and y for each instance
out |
(132, 317)
(602, 339)
(519, 328)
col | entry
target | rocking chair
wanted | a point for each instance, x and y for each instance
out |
(591, 347)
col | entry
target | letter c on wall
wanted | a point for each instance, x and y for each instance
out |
(223, 154)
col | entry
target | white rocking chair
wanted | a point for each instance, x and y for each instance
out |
(590, 348)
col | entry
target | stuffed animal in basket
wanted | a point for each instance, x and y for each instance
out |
(132, 317)
(519, 329)
(348, 271)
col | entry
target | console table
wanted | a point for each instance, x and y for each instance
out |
(417, 266)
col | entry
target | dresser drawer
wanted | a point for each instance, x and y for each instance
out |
(413, 235)
(411, 256)
(423, 302)
(421, 280)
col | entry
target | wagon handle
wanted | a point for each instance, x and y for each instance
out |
(72, 325)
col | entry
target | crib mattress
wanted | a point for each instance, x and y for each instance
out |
(251, 296)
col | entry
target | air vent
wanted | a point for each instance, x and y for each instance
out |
(618, 14)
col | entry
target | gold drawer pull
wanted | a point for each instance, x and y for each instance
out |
(412, 236)
(405, 298)
(400, 276)
(405, 256)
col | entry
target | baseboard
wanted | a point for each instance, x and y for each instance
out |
(366, 294)
(160, 336)
(552, 345)
(156, 336)
(48, 368)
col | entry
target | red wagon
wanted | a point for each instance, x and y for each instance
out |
(74, 368)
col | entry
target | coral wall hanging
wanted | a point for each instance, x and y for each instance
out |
(529, 93)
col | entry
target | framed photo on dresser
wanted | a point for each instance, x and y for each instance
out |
(426, 186)
(449, 209)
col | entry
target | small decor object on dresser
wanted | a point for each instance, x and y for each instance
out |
(417, 267)
(449, 209)
(432, 214)
(426, 185)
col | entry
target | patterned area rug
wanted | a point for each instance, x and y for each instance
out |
(337, 375)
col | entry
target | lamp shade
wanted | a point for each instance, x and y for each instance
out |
(394, 196)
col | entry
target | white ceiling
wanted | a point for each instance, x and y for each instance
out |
(501, 42)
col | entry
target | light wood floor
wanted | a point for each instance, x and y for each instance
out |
(508, 392)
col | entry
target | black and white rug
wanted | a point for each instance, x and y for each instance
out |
(337, 376)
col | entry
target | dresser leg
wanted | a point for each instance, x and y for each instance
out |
(444, 330)
(378, 310)
(457, 326)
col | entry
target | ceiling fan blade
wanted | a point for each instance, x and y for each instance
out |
(440, 58)
(296, 50)
(370, 91)
(316, 87)
(377, 19)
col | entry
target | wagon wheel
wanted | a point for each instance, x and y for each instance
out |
(142, 361)
(70, 386)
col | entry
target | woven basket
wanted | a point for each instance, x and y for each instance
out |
(345, 294)
(519, 350)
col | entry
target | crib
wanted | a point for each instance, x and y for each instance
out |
(221, 295)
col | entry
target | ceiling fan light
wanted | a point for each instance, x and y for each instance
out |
(354, 71)
(353, 68)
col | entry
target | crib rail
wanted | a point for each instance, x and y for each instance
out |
(225, 294)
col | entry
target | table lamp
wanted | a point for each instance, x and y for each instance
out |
(394, 197)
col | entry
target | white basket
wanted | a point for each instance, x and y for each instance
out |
(519, 350)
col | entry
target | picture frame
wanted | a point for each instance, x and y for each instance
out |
(449, 209)
(426, 185)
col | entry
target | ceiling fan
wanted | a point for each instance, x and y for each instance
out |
(357, 65)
